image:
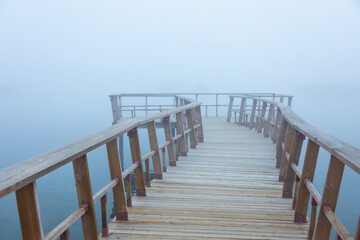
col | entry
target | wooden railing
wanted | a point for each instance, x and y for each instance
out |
(21, 178)
(285, 128)
(215, 101)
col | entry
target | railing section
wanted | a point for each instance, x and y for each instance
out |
(21, 178)
(278, 121)
(213, 104)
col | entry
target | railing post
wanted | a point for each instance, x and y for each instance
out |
(190, 121)
(276, 129)
(262, 116)
(115, 173)
(29, 213)
(308, 171)
(128, 190)
(289, 101)
(280, 141)
(269, 119)
(168, 137)
(231, 102)
(241, 114)
(104, 224)
(164, 159)
(85, 197)
(294, 158)
(154, 147)
(329, 197)
(136, 158)
(200, 129)
(357, 234)
(290, 140)
(180, 129)
(312, 218)
(115, 108)
(217, 104)
(252, 116)
(146, 105)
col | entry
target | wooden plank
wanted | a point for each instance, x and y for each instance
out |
(294, 158)
(252, 116)
(85, 197)
(280, 141)
(308, 172)
(289, 146)
(269, 119)
(329, 197)
(241, 114)
(231, 102)
(116, 174)
(136, 157)
(357, 235)
(200, 129)
(168, 137)
(29, 213)
(336, 223)
(154, 147)
(180, 129)
(262, 118)
(190, 123)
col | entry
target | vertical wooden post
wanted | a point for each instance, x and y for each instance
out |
(115, 108)
(252, 116)
(115, 173)
(329, 197)
(262, 117)
(168, 137)
(65, 235)
(280, 141)
(276, 130)
(176, 143)
(269, 119)
(294, 158)
(308, 172)
(282, 99)
(242, 109)
(104, 224)
(289, 142)
(147, 170)
(180, 129)
(217, 105)
(136, 157)
(289, 101)
(231, 102)
(154, 147)
(312, 218)
(357, 235)
(146, 105)
(296, 191)
(164, 159)
(190, 122)
(85, 197)
(120, 107)
(176, 101)
(29, 212)
(128, 190)
(200, 129)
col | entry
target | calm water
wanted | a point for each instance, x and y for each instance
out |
(57, 193)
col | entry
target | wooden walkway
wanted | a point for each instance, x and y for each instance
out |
(226, 188)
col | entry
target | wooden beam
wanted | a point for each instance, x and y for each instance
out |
(85, 197)
(168, 137)
(252, 116)
(136, 157)
(294, 158)
(29, 212)
(290, 140)
(190, 123)
(116, 173)
(200, 129)
(262, 117)
(308, 171)
(329, 197)
(231, 102)
(241, 114)
(154, 147)
(269, 119)
(180, 129)
(280, 140)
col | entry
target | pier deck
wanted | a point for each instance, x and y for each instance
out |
(226, 188)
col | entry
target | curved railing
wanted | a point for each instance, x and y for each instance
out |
(21, 178)
(289, 131)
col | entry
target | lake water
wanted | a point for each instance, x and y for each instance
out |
(22, 139)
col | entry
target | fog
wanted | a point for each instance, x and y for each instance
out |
(59, 61)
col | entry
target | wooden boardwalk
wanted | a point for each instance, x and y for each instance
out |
(226, 188)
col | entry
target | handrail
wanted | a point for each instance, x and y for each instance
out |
(289, 131)
(120, 110)
(21, 177)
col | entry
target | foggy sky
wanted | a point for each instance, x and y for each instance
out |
(59, 60)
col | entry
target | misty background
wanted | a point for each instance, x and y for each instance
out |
(59, 61)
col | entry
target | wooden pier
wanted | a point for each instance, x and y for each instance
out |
(226, 188)
(215, 178)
